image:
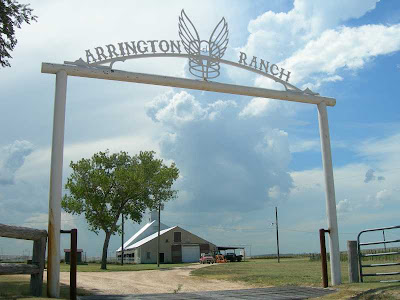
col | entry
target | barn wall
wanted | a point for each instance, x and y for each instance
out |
(166, 241)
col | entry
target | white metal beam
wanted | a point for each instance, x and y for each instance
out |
(330, 195)
(111, 74)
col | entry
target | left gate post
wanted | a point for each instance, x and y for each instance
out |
(55, 194)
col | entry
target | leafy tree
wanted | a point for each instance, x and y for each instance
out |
(12, 15)
(108, 185)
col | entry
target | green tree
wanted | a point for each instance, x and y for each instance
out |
(12, 15)
(107, 186)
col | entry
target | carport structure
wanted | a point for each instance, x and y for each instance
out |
(205, 58)
(224, 248)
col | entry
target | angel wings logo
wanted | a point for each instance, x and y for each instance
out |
(204, 55)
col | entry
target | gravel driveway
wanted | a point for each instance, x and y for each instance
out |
(149, 282)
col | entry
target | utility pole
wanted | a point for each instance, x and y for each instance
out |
(158, 236)
(277, 232)
(122, 242)
(384, 239)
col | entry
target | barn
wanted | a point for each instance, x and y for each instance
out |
(176, 244)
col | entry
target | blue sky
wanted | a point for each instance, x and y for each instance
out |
(239, 156)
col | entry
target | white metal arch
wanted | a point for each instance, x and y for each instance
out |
(82, 69)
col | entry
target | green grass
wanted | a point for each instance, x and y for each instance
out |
(17, 287)
(95, 267)
(298, 271)
(266, 272)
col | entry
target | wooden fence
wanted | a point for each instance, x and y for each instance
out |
(39, 238)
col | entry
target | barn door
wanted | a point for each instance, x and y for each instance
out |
(176, 251)
(204, 248)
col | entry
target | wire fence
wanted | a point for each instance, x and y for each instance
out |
(343, 255)
(15, 258)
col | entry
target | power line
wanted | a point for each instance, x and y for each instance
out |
(313, 232)
(277, 232)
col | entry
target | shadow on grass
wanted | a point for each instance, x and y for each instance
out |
(379, 293)
(17, 287)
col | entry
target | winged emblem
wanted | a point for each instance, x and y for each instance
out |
(214, 48)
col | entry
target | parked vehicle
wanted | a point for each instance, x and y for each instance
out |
(206, 258)
(219, 258)
(232, 257)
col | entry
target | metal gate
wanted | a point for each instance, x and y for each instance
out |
(384, 242)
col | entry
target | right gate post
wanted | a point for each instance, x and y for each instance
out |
(352, 257)
(330, 195)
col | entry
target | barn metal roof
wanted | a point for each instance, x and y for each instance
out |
(148, 239)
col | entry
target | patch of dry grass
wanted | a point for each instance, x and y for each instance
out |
(301, 272)
(95, 267)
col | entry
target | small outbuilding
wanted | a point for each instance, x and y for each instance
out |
(67, 253)
(177, 245)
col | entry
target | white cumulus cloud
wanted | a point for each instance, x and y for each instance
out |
(279, 35)
(262, 107)
(344, 206)
(383, 195)
(12, 158)
(344, 47)
(175, 109)
(221, 157)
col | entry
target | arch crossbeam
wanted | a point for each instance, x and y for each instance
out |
(118, 75)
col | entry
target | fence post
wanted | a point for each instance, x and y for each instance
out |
(73, 263)
(38, 258)
(323, 258)
(352, 257)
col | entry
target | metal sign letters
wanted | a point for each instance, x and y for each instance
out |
(204, 56)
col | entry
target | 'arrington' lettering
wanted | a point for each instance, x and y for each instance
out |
(132, 48)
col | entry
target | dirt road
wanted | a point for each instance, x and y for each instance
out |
(149, 282)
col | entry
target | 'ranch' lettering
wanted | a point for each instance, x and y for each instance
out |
(264, 66)
(132, 48)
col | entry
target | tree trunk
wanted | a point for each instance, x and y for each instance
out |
(105, 249)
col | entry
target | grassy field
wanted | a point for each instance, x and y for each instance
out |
(302, 272)
(256, 273)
